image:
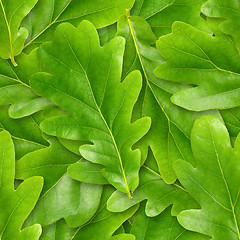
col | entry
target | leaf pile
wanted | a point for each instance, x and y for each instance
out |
(119, 120)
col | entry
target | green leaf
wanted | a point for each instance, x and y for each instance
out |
(162, 227)
(105, 223)
(197, 60)
(103, 226)
(160, 15)
(26, 134)
(107, 33)
(58, 230)
(231, 119)
(72, 145)
(66, 198)
(159, 195)
(69, 199)
(12, 37)
(16, 204)
(87, 172)
(100, 12)
(228, 10)
(50, 162)
(171, 125)
(15, 89)
(214, 183)
(87, 77)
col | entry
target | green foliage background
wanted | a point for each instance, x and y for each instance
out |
(119, 120)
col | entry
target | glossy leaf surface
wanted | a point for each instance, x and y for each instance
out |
(87, 77)
(16, 204)
(213, 183)
(197, 61)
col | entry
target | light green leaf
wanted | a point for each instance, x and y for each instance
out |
(15, 89)
(160, 15)
(16, 205)
(86, 83)
(162, 227)
(12, 37)
(198, 60)
(214, 183)
(100, 12)
(159, 195)
(171, 125)
(228, 10)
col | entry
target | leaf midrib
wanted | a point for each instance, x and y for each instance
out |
(149, 85)
(104, 120)
(225, 182)
(9, 32)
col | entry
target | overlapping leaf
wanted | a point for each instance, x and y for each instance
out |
(65, 197)
(105, 223)
(87, 172)
(12, 37)
(162, 14)
(16, 205)
(51, 163)
(58, 230)
(26, 134)
(171, 125)
(198, 60)
(214, 183)
(69, 199)
(15, 89)
(158, 194)
(86, 83)
(230, 12)
(100, 12)
(101, 227)
(162, 227)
